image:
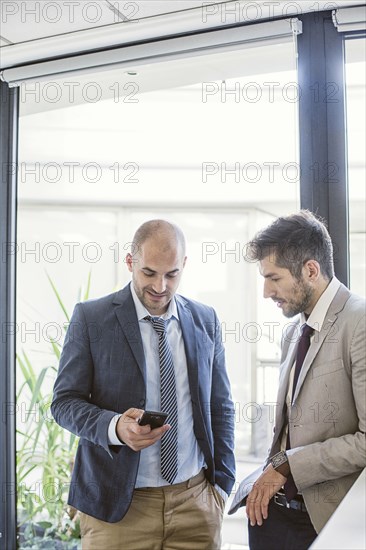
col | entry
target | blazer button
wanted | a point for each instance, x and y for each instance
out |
(142, 402)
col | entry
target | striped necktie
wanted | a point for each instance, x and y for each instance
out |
(169, 442)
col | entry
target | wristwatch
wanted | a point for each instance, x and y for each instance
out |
(280, 463)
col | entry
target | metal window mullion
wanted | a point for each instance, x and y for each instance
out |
(9, 107)
(322, 129)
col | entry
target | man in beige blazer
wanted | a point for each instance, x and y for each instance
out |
(318, 447)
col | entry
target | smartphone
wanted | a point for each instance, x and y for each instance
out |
(154, 418)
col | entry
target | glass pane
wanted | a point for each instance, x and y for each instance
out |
(218, 157)
(356, 120)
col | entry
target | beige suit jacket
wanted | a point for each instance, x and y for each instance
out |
(327, 421)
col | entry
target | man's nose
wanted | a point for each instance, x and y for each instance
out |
(159, 285)
(267, 289)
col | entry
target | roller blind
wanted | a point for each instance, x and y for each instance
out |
(350, 19)
(157, 51)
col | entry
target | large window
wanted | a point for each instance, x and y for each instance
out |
(356, 117)
(217, 156)
(205, 135)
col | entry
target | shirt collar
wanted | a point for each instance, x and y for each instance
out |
(317, 316)
(142, 312)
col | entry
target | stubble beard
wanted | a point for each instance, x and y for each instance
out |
(301, 302)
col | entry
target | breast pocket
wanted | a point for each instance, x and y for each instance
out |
(327, 367)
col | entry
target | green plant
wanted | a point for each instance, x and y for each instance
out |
(45, 454)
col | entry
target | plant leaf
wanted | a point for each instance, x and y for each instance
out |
(87, 290)
(58, 297)
(27, 370)
(37, 396)
(56, 350)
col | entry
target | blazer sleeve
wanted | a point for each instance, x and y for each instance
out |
(71, 405)
(338, 456)
(222, 417)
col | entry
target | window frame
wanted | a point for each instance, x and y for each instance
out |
(321, 62)
(9, 116)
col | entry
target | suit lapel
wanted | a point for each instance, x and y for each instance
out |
(316, 344)
(331, 317)
(127, 318)
(190, 343)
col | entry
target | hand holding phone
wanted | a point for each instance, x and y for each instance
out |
(155, 419)
(130, 428)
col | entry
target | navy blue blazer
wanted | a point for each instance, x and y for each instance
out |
(102, 372)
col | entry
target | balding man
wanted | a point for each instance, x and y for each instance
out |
(146, 348)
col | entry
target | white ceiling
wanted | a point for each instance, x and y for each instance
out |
(23, 21)
(29, 24)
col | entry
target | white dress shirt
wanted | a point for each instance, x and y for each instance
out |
(190, 457)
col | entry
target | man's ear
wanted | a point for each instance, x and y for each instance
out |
(129, 262)
(311, 271)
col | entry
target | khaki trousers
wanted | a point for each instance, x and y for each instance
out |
(185, 516)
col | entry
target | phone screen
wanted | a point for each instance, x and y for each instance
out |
(154, 418)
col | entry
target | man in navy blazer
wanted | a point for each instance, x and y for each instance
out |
(109, 373)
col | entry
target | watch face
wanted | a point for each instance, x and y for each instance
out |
(278, 459)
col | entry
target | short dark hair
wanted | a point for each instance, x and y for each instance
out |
(294, 240)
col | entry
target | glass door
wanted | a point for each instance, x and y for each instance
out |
(218, 156)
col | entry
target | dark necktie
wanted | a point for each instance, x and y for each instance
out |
(302, 349)
(168, 396)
